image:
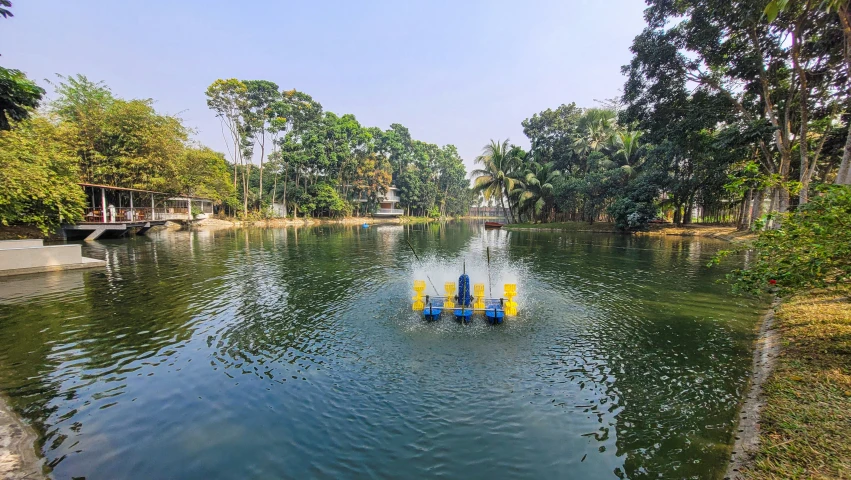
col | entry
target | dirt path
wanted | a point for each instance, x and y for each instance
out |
(765, 353)
(18, 459)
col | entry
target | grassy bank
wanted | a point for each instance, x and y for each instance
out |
(806, 418)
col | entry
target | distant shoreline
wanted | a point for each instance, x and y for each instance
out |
(722, 232)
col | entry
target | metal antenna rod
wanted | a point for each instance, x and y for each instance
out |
(490, 283)
(418, 259)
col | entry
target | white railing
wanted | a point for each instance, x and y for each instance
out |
(389, 211)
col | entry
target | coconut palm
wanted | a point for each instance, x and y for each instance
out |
(597, 128)
(535, 193)
(629, 150)
(496, 177)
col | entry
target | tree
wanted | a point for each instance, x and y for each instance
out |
(535, 193)
(18, 94)
(496, 178)
(292, 117)
(765, 78)
(372, 179)
(629, 150)
(260, 96)
(452, 183)
(311, 147)
(39, 176)
(553, 134)
(326, 201)
(229, 99)
(119, 142)
(202, 172)
(843, 10)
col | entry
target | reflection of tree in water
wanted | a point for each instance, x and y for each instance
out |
(288, 299)
(438, 240)
(138, 311)
(660, 361)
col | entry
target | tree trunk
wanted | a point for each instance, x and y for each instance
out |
(275, 190)
(843, 177)
(687, 209)
(806, 171)
(245, 190)
(286, 172)
(262, 154)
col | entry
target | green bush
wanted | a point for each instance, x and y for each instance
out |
(632, 216)
(811, 249)
(634, 210)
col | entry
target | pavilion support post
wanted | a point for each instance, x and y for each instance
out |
(103, 204)
(132, 213)
(189, 211)
(153, 208)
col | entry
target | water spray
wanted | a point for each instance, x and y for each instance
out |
(436, 291)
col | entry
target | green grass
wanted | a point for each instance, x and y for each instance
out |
(805, 425)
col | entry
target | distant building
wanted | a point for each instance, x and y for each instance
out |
(387, 204)
(480, 211)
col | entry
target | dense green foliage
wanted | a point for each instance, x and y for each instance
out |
(127, 143)
(301, 151)
(18, 95)
(722, 87)
(39, 176)
(581, 167)
(811, 249)
(732, 110)
(91, 136)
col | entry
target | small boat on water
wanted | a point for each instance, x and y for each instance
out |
(493, 225)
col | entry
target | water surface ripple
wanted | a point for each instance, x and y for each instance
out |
(293, 353)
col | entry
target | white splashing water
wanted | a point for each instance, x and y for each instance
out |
(438, 271)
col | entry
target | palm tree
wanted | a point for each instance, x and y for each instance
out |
(535, 194)
(496, 177)
(597, 128)
(629, 150)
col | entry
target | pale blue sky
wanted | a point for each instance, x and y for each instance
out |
(459, 72)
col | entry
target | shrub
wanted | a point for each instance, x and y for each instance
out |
(811, 249)
(634, 210)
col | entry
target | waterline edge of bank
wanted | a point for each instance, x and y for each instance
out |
(19, 458)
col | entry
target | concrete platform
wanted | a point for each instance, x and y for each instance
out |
(95, 230)
(18, 257)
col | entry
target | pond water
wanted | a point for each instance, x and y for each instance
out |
(294, 353)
